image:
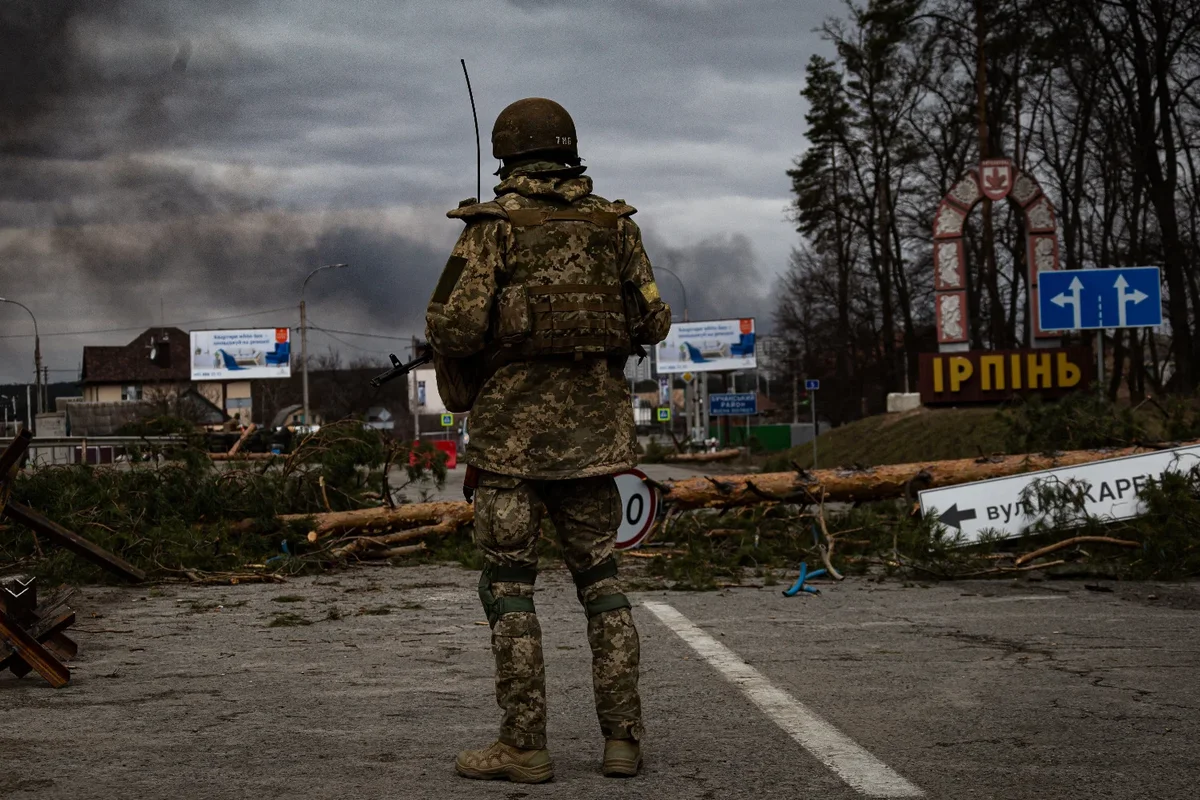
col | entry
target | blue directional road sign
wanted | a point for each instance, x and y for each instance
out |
(811, 385)
(732, 405)
(1087, 299)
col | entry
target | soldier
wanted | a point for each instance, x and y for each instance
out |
(546, 295)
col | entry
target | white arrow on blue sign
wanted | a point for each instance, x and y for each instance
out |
(1087, 299)
(812, 385)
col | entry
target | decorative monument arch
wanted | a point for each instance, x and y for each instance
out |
(995, 179)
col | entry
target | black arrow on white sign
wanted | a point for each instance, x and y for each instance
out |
(954, 518)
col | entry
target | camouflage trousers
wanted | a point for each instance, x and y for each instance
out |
(585, 514)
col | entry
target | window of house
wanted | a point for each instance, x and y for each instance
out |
(131, 393)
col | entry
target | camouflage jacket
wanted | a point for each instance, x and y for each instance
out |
(541, 419)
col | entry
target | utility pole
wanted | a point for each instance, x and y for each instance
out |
(37, 357)
(304, 338)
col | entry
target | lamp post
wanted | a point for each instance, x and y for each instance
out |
(37, 353)
(682, 288)
(304, 336)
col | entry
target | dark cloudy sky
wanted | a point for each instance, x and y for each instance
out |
(196, 158)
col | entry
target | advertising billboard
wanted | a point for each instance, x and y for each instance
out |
(714, 346)
(242, 354)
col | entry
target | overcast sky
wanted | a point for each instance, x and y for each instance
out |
(192, 159)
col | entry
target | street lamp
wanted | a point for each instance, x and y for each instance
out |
(304, 335)
(37, 352)
(681, 287)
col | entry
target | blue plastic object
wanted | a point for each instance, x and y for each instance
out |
(800, 585)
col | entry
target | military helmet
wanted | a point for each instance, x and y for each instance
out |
(533, 125)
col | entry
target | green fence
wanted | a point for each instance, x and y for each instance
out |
(771, 438)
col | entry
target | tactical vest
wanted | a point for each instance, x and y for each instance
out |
(564, 294)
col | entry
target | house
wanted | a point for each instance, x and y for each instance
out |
(155, 367)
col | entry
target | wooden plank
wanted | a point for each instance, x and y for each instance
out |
(43, 630)
(45, 635)
(72, 541)
(33, 653)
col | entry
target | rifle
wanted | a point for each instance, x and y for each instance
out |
(424, 355)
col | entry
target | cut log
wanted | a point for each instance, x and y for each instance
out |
(231, 456)
(367, 519)
(703, 458)
(242, 440)
(871, 483)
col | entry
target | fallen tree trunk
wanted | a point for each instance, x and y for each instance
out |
(870, 483)
(418, 520)
(703, 458)
(382, 517)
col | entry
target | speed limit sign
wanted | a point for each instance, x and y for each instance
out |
(639, 505)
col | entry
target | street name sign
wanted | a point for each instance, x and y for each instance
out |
(1090, 299)
(1111, 492)
(732, 405)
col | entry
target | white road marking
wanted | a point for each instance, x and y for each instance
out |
(851, 763)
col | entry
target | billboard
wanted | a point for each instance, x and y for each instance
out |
(242, 354)
(714, 346)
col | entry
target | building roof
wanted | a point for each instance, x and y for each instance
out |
(131, 363)
(105, 419)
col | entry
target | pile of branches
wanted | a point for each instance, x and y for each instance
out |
(177, 513)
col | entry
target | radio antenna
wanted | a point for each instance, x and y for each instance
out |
(478, 155)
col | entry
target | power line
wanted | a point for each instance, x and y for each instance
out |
(359, 333)
(264, 312)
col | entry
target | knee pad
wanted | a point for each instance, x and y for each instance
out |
(496, 607)
(605, 602)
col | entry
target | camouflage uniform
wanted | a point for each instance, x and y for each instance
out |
(547, 436)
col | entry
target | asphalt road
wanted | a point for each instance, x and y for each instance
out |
(965, 690)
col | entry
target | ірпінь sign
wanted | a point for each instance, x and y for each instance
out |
(984, 376)
(999, 504)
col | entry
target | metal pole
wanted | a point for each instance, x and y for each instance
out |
(415, 406)
(304, 357)
(813, 401)
(37, 357)
(28, 410)
(1100, 359)
(304, 337)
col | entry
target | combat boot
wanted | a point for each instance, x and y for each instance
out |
(622, 758)
(504, 762)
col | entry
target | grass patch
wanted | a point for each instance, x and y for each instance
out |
(287, 619)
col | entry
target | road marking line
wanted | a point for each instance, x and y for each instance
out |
(835, 750)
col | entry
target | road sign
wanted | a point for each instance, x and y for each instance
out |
(1087, 299)
(811, 385)
(664, 415)
(687, 376)
(732, 405)
(447, 420)
(1112, 493)
(639, 506)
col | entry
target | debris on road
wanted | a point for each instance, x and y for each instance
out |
(32, 634)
